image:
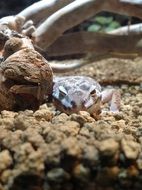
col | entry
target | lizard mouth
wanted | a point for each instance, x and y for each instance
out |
(62, 107)
(91, 107)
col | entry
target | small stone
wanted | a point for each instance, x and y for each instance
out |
(70, 146)
(23, 122)
(89, 126)
(8, 123)
(57, 175)
(70, 128)
(78, 118)
(81, 172)
(113, 172)
(130, 130)
(122, 174)
(54, 136)
(6, 174)
(124, 87)
(8, 114)
(5, 160)
(26, 113)
(108, 174)
(130, 148)
(60, 118)
(43, 107)
(90, 155)
(136, 110)
(119, 124)
(43, 114)
(139, 161)
(119, 116)
(33, 137)
(1, 187)
(132, 171)
(4, 133)
(22, 153)
(84, 131)
(102, 130)
(87, 116)
(108, 147)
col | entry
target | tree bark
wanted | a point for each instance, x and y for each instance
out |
(43, 9)
(75, 13)
(63, 19)
(90, 42)
(126, 30)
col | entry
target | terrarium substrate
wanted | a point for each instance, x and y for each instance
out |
(49, 150)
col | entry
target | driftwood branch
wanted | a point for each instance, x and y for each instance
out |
(86, 42)
(43, 9)
(123, 8)
(63, 19)
(62, 15)
(89, 42)
(126, 30)
(75, 13)
(132, 1)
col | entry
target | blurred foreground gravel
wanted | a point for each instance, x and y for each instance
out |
(49, 150)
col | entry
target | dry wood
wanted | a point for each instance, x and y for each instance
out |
(89, 42)
(75, 13)
(64, 67)
(63, 19)
(43, 9)
(132, 1)
(126, 30)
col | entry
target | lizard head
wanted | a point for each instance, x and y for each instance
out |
(75, 94)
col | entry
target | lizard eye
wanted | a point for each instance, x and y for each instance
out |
(62, 92)
(93, 92)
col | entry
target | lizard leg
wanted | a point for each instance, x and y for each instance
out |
(113, 97)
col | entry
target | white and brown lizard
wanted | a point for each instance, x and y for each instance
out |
(72, 94)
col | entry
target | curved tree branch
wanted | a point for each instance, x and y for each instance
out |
(132, 1)
(124, 8)
(126, 30)
(75, 13)
(43, 9)
(63, 19)
(90, 42)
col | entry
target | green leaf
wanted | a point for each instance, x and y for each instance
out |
(113, 25)
(103, 20)
(94, 28)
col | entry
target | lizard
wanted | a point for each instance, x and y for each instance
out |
(72, 94)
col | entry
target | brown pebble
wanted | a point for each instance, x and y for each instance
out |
(108, 147)
(130, 148)
(5, 160)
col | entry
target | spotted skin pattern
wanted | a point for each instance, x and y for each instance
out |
(72, 94)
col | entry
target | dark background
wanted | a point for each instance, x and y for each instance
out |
(10, 7)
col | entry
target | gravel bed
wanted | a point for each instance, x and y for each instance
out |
(49, 150)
